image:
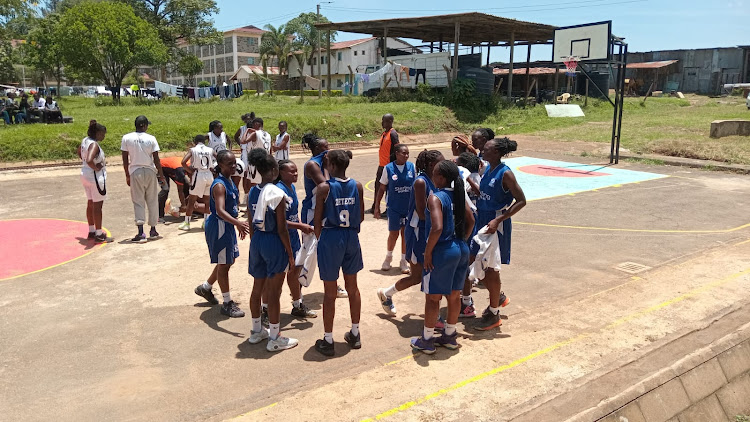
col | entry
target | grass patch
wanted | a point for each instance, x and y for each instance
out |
(666, 126)
(648, 161)
(176, 122)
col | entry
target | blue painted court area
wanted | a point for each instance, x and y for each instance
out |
(542, 178)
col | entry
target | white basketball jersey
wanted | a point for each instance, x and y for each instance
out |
(202, 158)
(217, 143)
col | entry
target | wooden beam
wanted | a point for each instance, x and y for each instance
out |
(456, 38)
(328, 63)
(510, 73)
(528, 64)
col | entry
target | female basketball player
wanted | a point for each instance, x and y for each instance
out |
(94, 179)
(271, 253)
(287, 179)
(500, 198)
(397, 179)
(313, 175)
(416, 237)
(339, 211)
(217, 139)
(220, 235)
(449, 222)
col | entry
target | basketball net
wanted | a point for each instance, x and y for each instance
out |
(571, 63)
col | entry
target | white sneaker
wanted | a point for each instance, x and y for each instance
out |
(256, 338)
(386, 264)
(387, 303)
(281, 343)
(185, 225)
(405, 269)
(341, 293)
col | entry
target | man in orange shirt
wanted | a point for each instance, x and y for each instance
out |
(387, 151)
(172, 167)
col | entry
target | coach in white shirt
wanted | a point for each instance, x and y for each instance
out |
(143, 173)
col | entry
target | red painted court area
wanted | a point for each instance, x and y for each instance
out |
(551, 171)
(32, 245)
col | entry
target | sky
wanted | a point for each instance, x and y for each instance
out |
(646, 25)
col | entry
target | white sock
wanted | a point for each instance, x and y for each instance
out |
(403, 257)
(449, 329)
(466, 300)
(328, 337)
(99, 232)
(187, 218)
(275, 328)
(355, 329)
(206, 285)
(389, 255)
(428, 332)
(296, 303)
(390, 291)
(494, 310)
(256, 325)
(92, 229)
(227, 297)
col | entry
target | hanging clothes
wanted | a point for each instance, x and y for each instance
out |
(403, 71)
(314, 83)
(180, 91)
(422, 72)
(191, 93)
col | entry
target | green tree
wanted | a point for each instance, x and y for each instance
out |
(7, 71)
(189, 66)
(180, 21)
(108, 40)
(42, 49)
(276, 43)
(305, 34)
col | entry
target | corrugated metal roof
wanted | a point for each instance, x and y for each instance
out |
(532, 71)
(271, 70)
(351, 43)
(651, 65)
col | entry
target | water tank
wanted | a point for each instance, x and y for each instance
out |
(484, 80)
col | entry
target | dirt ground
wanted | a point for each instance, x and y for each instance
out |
(120, 335)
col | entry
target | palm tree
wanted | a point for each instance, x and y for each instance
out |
(276, 43)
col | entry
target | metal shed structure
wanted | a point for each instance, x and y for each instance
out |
(469, 29)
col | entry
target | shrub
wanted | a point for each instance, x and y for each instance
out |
(204, 84)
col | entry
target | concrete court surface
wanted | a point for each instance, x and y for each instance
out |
(118, 334)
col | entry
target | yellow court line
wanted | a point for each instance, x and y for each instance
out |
(368, 184)
(256, 410)
(556, 346)
(60, 263)
(742, 243)
(612, 229)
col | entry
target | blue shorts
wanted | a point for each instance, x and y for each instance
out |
(503, 235)
(221, 240)
(451, 261)
(294, 240)
(396, 220)
(338, 248)
(416, 242)
(267, 255)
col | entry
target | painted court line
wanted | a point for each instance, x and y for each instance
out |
(556, 346)
(613, 229)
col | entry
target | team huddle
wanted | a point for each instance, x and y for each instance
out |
(453, 217)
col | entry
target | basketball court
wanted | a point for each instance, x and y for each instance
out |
(120, 324)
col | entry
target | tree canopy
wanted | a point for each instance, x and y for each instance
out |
(190, 65)
(108, 40)
(305, 34)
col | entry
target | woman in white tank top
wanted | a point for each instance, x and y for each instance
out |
(217, 139)
(94, 179)
(281, 147)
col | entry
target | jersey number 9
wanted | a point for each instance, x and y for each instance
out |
(344, 218)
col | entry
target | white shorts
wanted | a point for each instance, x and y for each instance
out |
(253, 175)
(90, 186)
(200, 185)
(241, 166)
(245, 163)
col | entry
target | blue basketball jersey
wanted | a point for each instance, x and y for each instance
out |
(292, 213)
(309, 201)
(492, 195)
(449, 227)
(252, 202)
(231, 199)
(342, 207)
(412, 210)
(399, 186)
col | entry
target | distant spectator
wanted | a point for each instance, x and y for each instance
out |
(22, 114)
(37, 107)
(387, 152)
(52, 113)
(8, 108)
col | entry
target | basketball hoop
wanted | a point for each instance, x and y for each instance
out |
(571, 63)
